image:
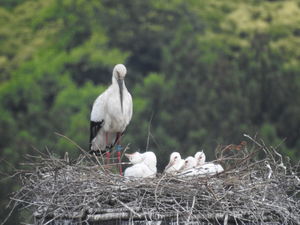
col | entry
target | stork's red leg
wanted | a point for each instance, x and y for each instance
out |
(119, 153)
(107, 153)
(120, 166)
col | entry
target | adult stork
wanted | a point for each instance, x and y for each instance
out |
(111, 113)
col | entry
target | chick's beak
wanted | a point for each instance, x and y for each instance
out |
(171, 163)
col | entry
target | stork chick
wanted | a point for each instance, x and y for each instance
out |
(144, 165)
(175, 163)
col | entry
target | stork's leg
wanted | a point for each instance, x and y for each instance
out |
(119, 152)
(107, 153)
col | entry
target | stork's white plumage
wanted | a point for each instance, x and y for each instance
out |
(200, 157)
(135, 157)
(144, 165)
(188, 169)
(151, 161)
(111, 113)
(207, 169)
(196, 166)
(189, 163)
(175, 163)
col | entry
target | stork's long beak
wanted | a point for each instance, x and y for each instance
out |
(171, 163)
(120, 83)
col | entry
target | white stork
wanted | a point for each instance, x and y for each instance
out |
(189, 163)
(200, 157)
(175, 163)
(144, 165)
(111, 113)
(196, 166)
(208, 168)
(189, 167)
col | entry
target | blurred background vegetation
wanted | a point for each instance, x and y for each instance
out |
(203, 72)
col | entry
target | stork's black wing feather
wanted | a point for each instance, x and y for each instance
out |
(94, 128)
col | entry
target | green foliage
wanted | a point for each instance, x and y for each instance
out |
(73, 106)
(10, 4)
(201, 74)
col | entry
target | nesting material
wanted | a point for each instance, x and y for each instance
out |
(258, 185)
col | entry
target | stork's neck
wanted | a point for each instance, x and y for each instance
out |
(118, 85)
(114, 81)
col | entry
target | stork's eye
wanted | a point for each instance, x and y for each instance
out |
(175, 157)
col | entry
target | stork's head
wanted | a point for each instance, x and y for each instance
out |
(119, 74)
(189, 163)
(135, 157)
(200, 157)
(174, 159)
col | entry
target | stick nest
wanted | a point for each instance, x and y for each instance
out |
(257, 186)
